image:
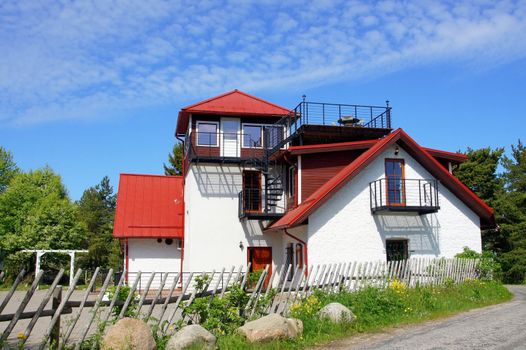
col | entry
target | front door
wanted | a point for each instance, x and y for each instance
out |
(394, 174)
(230, 137)
(259, 257)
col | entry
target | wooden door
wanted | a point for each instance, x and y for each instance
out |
(252, 191)
(259, 257)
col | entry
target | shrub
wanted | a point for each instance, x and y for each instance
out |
(488, 267)
(124, 291)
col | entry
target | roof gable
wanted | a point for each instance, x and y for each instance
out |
(301, 213)
(149, 206)
(234, 102)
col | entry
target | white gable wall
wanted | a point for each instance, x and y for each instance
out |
(344, 229)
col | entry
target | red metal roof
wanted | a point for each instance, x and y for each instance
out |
(449, 156)
(149, 206)
(234, 102)
(299, 214)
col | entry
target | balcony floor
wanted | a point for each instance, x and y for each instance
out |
(261, 216)
(406, 209)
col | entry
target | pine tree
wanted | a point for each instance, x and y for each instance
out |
(175, 161)
(97, 209)
(511, 215)
(8, 168)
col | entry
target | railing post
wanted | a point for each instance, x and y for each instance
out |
(420, 192)
(55, 332)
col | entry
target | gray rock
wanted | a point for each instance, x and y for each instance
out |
(190, 337)
(337, 313)
(129, 334)
(271, 327)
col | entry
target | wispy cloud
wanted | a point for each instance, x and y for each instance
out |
(94, 59)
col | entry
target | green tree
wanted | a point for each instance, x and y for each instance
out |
(175, 161)
(479, 173)
(36, 213)
(8, 168)
(511, 215)
(96, 211)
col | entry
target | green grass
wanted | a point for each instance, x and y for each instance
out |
(377, 309)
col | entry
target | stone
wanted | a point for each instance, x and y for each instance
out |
(129, 334)
(336, 313)
(271, 327)
(192, 337)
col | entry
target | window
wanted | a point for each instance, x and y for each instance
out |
(207, 133)
(252, 136)
(395, 182)
(396, 249)
(291, 181)
(251, 191)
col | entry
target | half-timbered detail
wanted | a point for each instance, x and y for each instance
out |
(315, 184)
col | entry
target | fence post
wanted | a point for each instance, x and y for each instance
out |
(55, 331)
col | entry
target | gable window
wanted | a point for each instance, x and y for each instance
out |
(252, 191)
(395, 181)
(252, 136)
(207, 133)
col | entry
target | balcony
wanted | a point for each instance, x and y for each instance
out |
(260, 204)
(404, 195)
(320, 122)
(229, 147)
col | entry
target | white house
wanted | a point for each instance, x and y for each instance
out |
(320, 183)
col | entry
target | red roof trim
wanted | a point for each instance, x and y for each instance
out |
(451, 156)
(331, 147)
(322, 194)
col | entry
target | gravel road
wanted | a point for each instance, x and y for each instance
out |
(495, 327)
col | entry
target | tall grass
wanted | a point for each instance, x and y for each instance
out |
(376, 309)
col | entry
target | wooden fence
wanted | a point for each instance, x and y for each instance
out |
(161, 303)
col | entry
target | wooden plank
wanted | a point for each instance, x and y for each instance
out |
(349, 283)
(106, 317)
(9, 295)
(40, 308)
(167, 299)
(225, 285)
(131, 295)
(81, 307)
(178, 302)
(156, 297)
(145, 292)
(217, 285)
(254, 296)
(22, 306)
(54, 324)
(291, 287)
(95, 309)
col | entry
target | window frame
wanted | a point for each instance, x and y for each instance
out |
(244, 188)
(243, 135)
(199, 122)
(402, 179)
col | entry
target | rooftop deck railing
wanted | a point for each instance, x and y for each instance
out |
(404, 195)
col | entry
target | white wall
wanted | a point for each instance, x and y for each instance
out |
(343, 228)
(147, 255)
(212, 227)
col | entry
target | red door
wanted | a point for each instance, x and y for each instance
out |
(259, 257)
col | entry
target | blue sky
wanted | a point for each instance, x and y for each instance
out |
(94, 88)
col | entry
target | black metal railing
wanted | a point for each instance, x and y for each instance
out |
(256, 203)
(212, 145)
(404, 195)
(330, 114)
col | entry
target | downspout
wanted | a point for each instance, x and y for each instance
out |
(305, 249)
(184, 208)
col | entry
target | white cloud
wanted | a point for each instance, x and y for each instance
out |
(94, 59)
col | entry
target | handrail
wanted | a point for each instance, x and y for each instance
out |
(395, 193)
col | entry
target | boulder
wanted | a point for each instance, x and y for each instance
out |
(271, 327)
(191, 337)
(129, 334)
(336, 313)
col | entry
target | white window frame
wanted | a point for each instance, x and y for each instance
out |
(197, 123)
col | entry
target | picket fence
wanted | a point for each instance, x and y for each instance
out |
(158, 297)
